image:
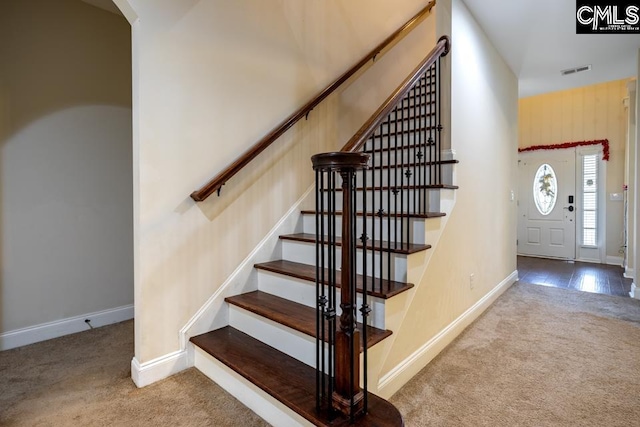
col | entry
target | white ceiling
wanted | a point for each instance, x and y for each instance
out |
(538, 39)
(107, 5)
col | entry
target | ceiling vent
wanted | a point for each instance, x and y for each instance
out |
(575, 70)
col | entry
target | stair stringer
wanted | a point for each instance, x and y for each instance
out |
(214, 314)
(396, 308)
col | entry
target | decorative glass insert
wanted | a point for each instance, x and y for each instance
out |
(545, 189)
(589, 199)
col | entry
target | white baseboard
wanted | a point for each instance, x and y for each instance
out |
(635, 291)
(159, 368)
(614, 260)
(588, 260)
(409, 367)
(59, 328)
(628, 273)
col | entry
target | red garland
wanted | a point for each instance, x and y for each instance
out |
(604, 142)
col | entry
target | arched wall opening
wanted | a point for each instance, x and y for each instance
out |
(66, 203)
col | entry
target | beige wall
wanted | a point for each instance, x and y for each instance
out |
(480, 235)
(210, 78)
(65, 162)
(584, 114)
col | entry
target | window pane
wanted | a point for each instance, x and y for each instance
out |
(589, 200)
(545, 189)
(589, 219)
(589, 238)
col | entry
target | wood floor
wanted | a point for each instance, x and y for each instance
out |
(587, 277)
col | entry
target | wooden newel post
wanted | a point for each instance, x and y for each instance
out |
(347, 397)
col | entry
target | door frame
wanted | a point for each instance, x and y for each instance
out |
(583, 253)
(535, 158)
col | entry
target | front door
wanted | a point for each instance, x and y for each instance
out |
(546, 205)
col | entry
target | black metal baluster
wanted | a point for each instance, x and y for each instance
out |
(399, 146)
(439, 147)
(364, 293)
(319, 287)
(427, 114)
(373, 208)
(432, 142)
(419, 123)
(389, 214)
(423, 143)
(399, 114)
(331, 325)
(353, 305)
(380, 212)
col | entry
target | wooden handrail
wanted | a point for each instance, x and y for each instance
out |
(360, 137)
(219, 180)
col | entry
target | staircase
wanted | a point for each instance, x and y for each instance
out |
(281, 353)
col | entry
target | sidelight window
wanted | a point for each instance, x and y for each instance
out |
(590, 200)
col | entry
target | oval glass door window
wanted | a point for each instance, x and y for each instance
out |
(545, 189)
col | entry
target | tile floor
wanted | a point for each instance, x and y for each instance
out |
(587, 277)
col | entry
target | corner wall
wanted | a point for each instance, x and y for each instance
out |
(65, 169)
(479, 237)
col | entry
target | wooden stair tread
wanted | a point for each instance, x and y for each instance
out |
(407, 187)
(402, 147)
(386, 215)
(295, 316)
(407, 118)
(409, 248)
(284, 378)
(421, 103)
(381, 289)
(415, 164)
(402, 132)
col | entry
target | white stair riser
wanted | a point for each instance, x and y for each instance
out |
(300, 346)
(294, 343)
(305, 253)
(304, 292)
(411, 229)
(246, 392)
(404, 200)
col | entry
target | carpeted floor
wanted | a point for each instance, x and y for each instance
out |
(85, 380)
(538, 357)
